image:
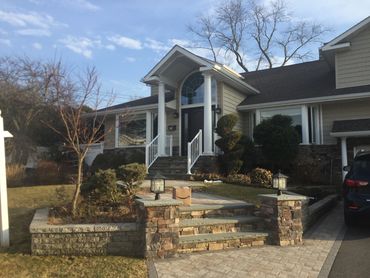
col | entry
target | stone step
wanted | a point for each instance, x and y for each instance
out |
(222, 210)
(197, 226)
(208, 242)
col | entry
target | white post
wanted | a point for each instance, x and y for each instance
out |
(305, 128)
(148, 127)
(161, 120)
(343, 141)
(4, 236)
(207, 114)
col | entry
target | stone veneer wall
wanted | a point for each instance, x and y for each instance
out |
(283, 218)
(84, 239)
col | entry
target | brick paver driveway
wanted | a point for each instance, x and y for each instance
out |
(266, 261)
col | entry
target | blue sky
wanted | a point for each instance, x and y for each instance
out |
(124, 39)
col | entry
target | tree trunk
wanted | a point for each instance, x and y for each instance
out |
(78, 186)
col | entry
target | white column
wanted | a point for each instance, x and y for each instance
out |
(343, 145)
(148, 127)
(305, 128)
(161, 120)
(207, 130)
(4, 221)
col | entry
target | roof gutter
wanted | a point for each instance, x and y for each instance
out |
(303, 101)
(362, 133)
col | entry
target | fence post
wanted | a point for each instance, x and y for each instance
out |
(4, 236)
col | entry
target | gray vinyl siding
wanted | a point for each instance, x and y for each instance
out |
(353, 65)
(231, 98)
(110, 132)
(331, 112)
(153, 90)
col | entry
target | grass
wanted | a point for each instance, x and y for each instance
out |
(16, 260)
(239, 192)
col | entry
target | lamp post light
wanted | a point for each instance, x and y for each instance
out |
(158, 185)
(279, 182)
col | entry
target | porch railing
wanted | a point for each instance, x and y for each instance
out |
(169, 143)
(194, 150)
(151, 152)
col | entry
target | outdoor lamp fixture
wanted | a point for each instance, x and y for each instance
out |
(176, 115)
(157, 185)
(218, 110)
(279, 182)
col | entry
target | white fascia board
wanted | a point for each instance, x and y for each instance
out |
(351, 133)
(304, 101)
(347, 33)
(122, 110)
(168, 56)
(342, 46)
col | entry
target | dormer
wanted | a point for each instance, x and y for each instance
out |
(349, 54)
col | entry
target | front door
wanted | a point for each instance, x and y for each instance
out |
(192, 120)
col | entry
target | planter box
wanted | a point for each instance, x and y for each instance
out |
(84, 239)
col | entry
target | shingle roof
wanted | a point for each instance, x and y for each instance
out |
(351, 125)
(299, 81)
(141, 101)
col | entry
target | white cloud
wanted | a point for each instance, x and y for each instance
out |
(126, 42)
(34, 32)
(87, 5)
(155, 45)
(3, 32)
(81, 45)
(34, 19)
(37, 46)
(130, 59)
(5, 42)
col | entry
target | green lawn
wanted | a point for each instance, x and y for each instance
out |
(244, 193)
(16, 261)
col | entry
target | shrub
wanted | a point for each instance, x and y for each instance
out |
(47, 172)
(238, 179)
(249, 154)
(229, 144)
(102, 186)
(279, 140)
(132, 175)
(15, 173)
(206, 176)
(106, 161)
(261, 177)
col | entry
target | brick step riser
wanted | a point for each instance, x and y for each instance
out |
(221, 245)
(221, 228)
(216, 213)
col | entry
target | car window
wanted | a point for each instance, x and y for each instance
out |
(361, 167)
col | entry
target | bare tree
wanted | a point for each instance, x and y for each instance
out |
(266, 34)
(72, 100)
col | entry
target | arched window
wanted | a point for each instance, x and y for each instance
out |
(192, 91)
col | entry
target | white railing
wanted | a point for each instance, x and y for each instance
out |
(151, 152)
(194, 150)
(169, 143)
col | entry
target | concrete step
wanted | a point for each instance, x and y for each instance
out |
(221, 241)
(221, 210)
(233, 224)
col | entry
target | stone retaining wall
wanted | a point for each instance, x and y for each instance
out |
(84, 239)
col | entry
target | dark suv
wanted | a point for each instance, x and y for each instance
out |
(356, 188)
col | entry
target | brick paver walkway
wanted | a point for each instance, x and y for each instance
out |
(266, 261)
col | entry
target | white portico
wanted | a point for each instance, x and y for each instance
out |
(194, 82)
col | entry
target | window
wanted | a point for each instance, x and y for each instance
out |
(294, 113)
(192, 91)
(132, 130)
(313, 124)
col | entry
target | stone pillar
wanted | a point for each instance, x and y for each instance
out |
(343, 146)
(207, 130)
(283, 218)
(161, 119)
(160, 220)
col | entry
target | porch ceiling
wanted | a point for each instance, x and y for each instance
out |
(178, 68)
